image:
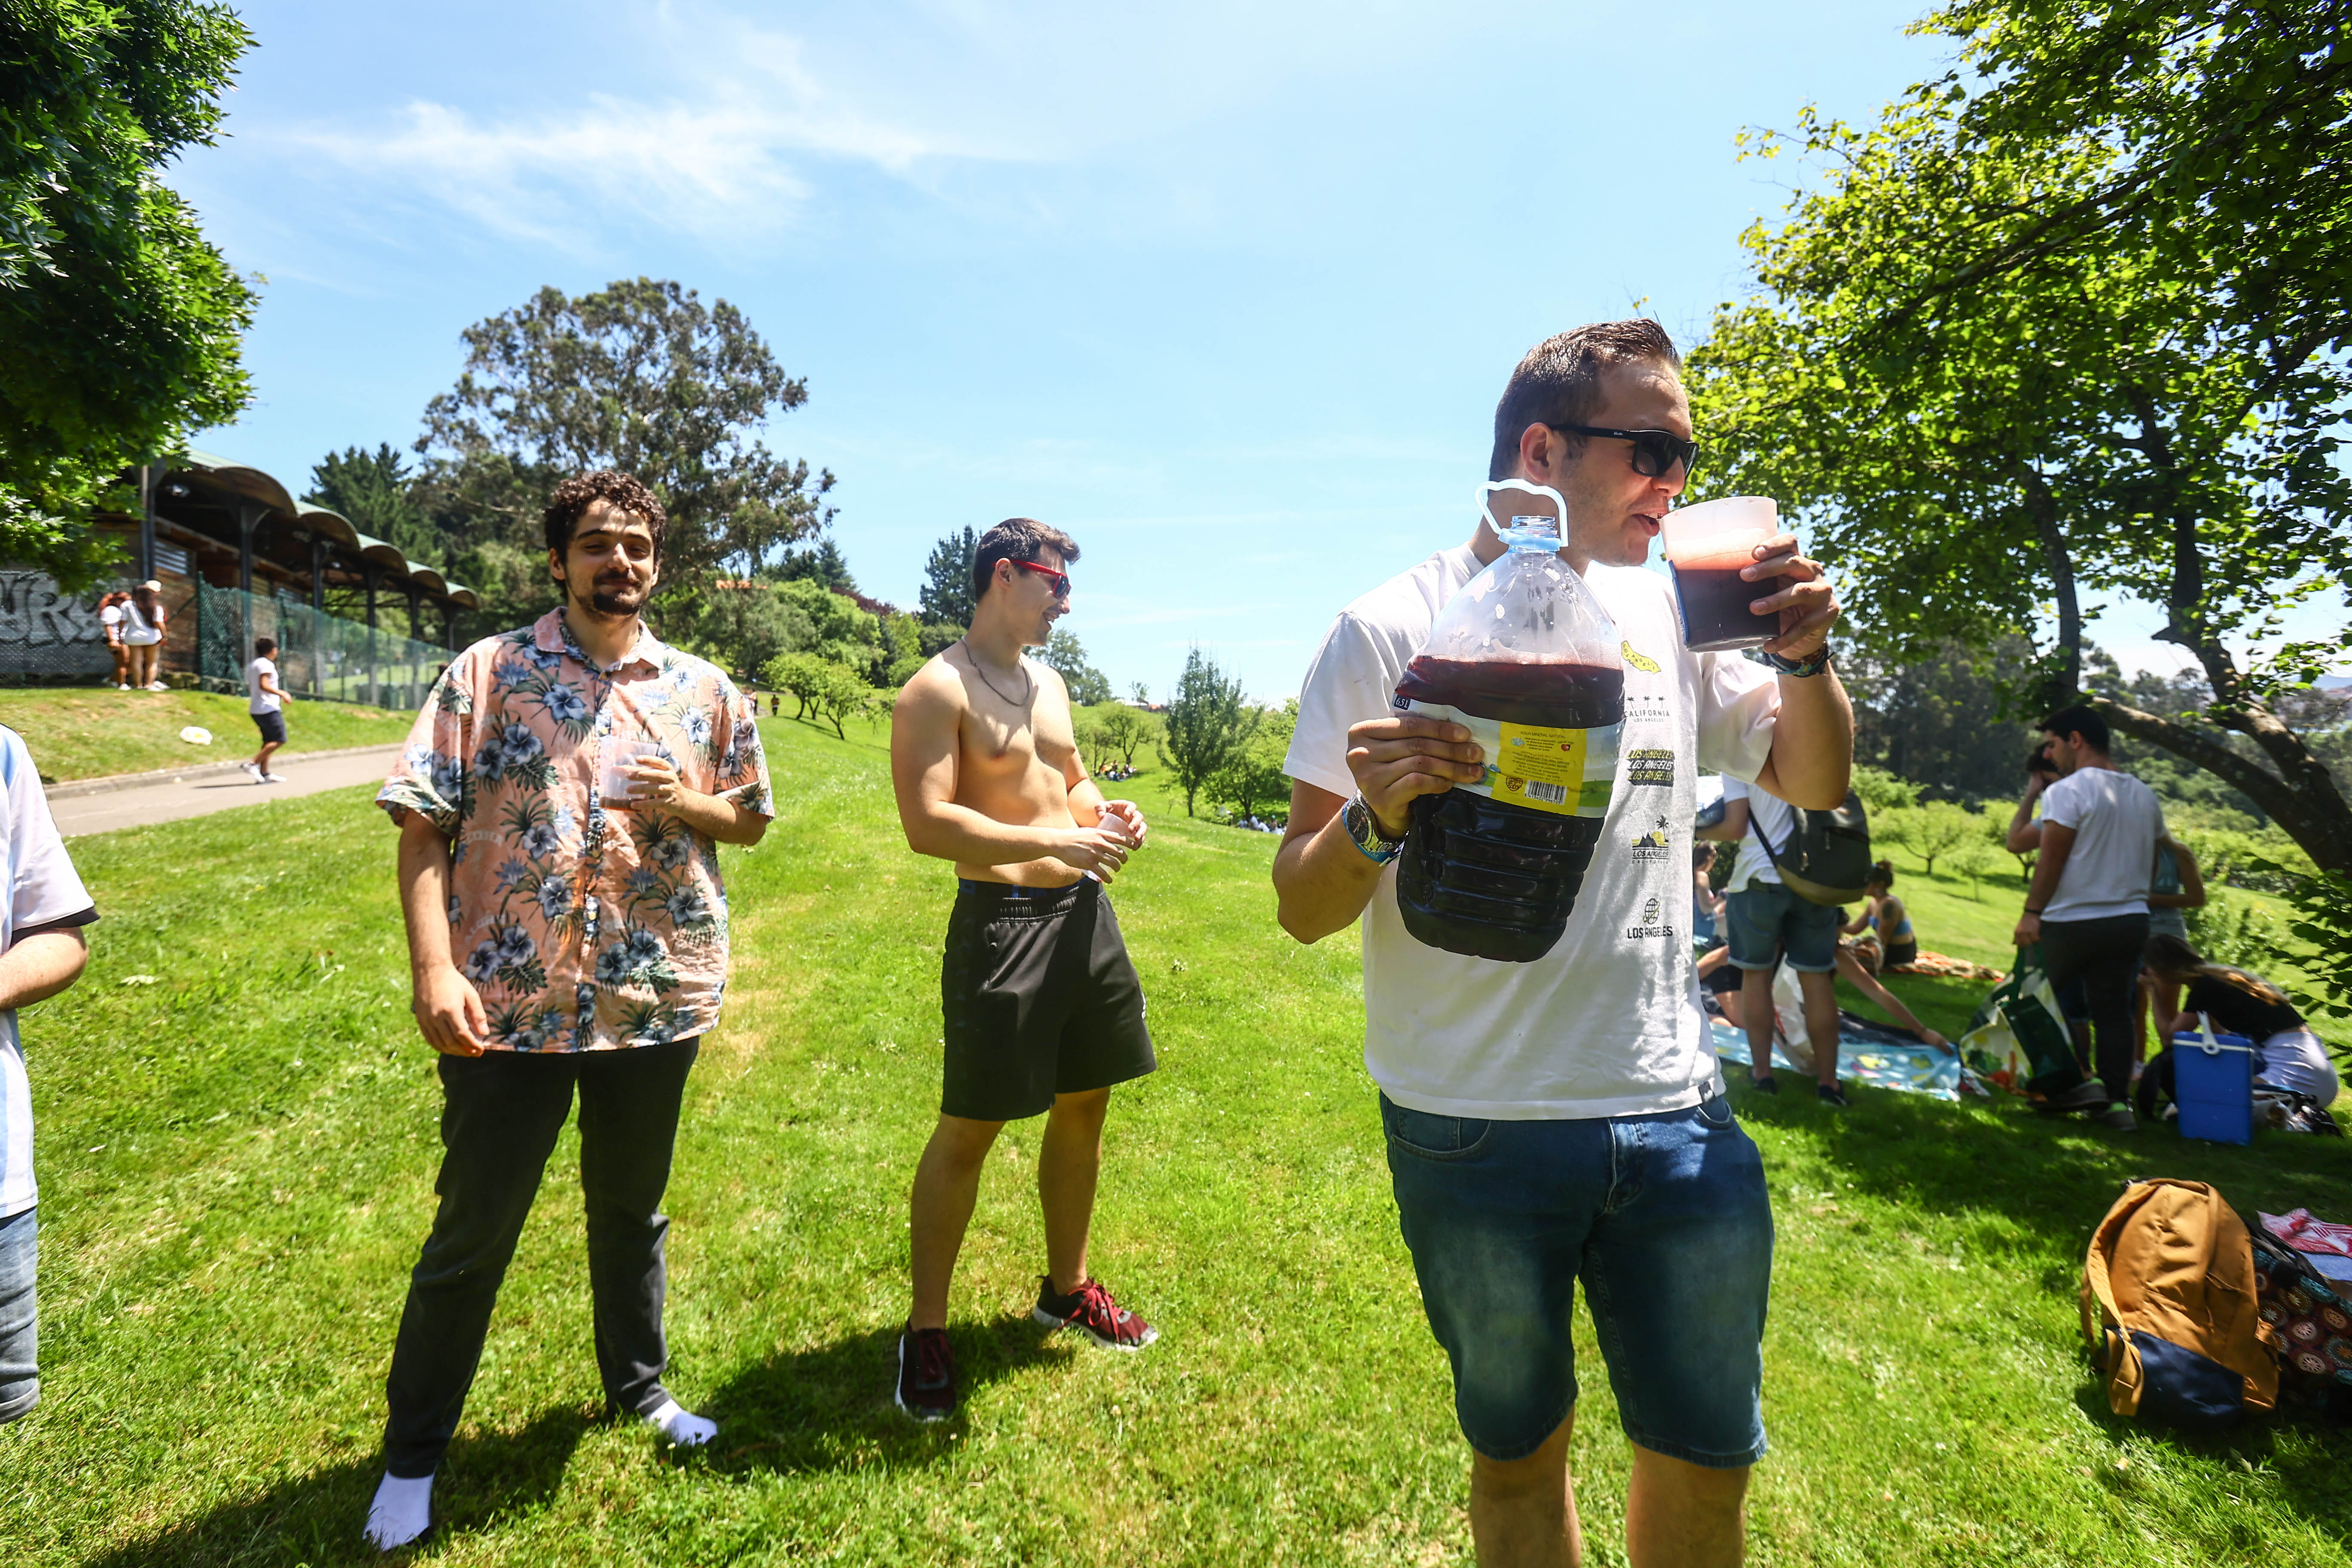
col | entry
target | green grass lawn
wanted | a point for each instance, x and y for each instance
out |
(237, 1143)
(80, 733)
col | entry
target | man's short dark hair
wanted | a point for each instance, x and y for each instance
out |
(2078, 719)
(1015, 539)
(572, 498)
(264, 647)
(1560, 381)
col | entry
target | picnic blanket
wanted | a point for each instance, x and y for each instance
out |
(1943, 966)
(2328, 1247)
(1867, 1053)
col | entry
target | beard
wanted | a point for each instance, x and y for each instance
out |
(613, 596)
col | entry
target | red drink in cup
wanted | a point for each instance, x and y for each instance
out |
(1706, 547)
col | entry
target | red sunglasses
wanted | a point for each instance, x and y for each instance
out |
(1059, 582)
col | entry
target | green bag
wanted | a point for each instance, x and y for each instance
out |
(2018, 1036)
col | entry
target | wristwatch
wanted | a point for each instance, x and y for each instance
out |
(1364, 833)
(1812, 663)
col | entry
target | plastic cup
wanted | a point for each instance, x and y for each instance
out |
(1706, 547)
(612, 782)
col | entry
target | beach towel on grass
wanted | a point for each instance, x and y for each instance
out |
(1867, 1053)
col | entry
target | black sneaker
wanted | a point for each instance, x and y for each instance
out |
(1090, 1310)
(1768, 1084)
(2089, 1095)
(1831, 1094)
(926, 1384)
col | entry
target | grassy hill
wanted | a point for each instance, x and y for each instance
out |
(237, 1147)
(80, 733)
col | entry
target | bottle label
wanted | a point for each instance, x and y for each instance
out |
(1571, 772)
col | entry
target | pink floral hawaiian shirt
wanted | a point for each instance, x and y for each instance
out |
(586, 926)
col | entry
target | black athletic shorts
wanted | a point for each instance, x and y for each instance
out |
(1040, 1000)
(272, 726)
(1726, 979)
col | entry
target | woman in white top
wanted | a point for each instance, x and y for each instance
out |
(143, 619)
(110, 622)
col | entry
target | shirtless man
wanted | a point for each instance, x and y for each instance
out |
(1044, 1010)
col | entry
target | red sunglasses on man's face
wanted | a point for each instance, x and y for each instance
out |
(1059, 582)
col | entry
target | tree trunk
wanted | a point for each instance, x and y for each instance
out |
(2306, 802)
(2059, 687)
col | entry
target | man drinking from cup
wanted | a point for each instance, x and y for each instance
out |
(1562, 1119)
(567, 932)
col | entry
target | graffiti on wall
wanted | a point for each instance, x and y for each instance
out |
(46, 633)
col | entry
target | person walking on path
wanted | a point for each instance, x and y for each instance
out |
(265, 699)
(1044, 1012)
(1564, 1119)
(2087, 905)
(42, 951)
(109, 625)
(143, 620)
(1769, 925)
(560, 803)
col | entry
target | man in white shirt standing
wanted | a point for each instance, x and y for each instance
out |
(41, 952)
(1768, 924)
(265, 699)
(1564, 1119)
(2087, 906)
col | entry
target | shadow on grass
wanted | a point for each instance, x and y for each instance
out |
(316, 1518)
(832, 1407)
(2303, 1452)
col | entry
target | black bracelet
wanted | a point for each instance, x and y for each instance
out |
(2037, 912)
(1811, 664)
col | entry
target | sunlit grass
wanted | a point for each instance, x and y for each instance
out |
(236, 1167)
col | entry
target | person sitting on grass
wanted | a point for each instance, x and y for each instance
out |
(1885, 916)
(2290, 1056)
(265, 701)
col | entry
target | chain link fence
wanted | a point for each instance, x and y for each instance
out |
(318, 655)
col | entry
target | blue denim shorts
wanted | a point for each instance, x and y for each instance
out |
(1766, 919)
(20, 1370)
(1666, 1219)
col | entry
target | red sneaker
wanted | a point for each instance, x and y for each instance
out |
(927, 1380)
(1090, 1310)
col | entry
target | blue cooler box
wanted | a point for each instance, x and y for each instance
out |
(2213, 1083)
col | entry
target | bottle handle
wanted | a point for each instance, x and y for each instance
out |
(1488, 492)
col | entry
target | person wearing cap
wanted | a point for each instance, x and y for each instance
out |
(143, 619)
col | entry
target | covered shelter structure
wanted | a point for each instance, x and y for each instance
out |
(239, 557)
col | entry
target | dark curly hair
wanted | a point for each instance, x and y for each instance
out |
(572, 498)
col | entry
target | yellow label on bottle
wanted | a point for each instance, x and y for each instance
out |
(1541, 768)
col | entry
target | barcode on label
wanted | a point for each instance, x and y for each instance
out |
(1538, 790)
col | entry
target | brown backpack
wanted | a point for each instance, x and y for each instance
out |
(2168, 1308)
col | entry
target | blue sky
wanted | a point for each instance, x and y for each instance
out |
(1228, 295)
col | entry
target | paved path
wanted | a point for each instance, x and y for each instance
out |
(170, 800)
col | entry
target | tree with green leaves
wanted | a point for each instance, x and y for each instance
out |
(1066, 656)
(121, 325)
(641, 376)
(946, 595)
(1207, 723)
(822, 563)
(1252, 780)
(372, 490)
(2068, 322)
(1123, 732)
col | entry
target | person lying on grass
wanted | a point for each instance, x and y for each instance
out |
(2238, 1002)
(1518, 1099)
(578, 944)
(1044, 1012)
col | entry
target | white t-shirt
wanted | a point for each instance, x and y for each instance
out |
(136, 625)
(257, 700)
(111, 616)
(2116, 821)
(1767, 813)
(43, 889)
(1608, 1022)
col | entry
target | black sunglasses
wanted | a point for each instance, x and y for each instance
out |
(1655, 452)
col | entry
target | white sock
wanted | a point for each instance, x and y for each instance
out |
(682, 1426)
(402, 1511)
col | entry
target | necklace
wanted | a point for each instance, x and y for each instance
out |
(981, 671)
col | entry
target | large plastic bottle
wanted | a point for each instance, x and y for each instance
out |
(1526, 659)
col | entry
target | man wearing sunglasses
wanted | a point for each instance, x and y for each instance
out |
(1044, 1011)
(1562, 1121)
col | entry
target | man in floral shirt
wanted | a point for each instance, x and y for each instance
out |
(560, 806)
